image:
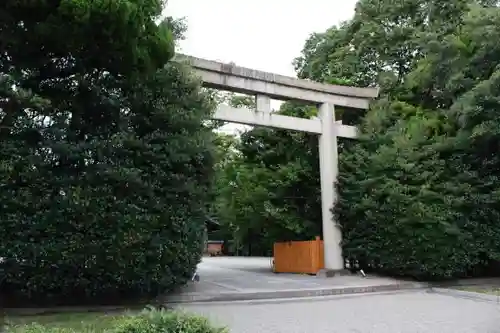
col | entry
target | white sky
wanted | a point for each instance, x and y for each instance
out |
(260, 34)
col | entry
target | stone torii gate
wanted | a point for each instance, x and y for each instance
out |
(265, 86)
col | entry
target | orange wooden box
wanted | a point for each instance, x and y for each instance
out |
(299, 257)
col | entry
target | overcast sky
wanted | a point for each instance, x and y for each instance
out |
(260, 34)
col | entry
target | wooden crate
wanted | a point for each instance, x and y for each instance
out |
(304, 257)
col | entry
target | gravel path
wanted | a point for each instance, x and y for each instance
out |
(403, 312)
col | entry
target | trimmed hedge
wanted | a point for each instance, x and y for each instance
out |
(409, 203)
(129, 224)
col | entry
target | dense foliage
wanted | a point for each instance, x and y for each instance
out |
(105, 164)
(419, 189)
(436, 200)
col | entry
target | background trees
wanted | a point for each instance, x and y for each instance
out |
(423, 177)
(259, 199)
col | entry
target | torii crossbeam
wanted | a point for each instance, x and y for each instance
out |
(265, 86)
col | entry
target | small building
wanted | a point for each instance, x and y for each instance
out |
(212, 247)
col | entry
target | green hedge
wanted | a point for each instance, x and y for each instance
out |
(129, 224)
(409, 205)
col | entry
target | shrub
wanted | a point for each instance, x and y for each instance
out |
(148, 321)
(160, 321)
(37, 328)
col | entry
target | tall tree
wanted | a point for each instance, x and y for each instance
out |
(105, 159)
(439, 194)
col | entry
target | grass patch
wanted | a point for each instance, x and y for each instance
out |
(481, 289)
(81, 322)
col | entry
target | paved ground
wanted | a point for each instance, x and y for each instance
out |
(399, 312)
(407, 311)
(237, 278)
(253, 274)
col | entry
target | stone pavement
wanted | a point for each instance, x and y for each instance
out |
(416, 311)
(238, 278)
